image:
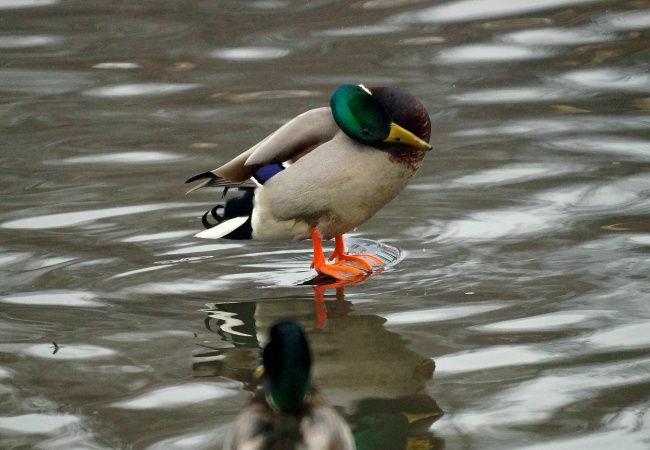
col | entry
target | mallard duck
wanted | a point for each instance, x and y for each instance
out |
(287, 411)
(324, 173)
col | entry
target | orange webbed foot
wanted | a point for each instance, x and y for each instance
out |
(341, 269)
(365, 262)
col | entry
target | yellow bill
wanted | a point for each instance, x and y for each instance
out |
(401, 135)
(258, 373)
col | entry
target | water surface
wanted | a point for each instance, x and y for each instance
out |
(526, 231)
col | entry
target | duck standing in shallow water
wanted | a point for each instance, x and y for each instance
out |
(287, 412)
(324, 173)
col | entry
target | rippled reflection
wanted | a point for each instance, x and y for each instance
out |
(393, 408)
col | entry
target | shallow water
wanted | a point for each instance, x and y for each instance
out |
(526, 232)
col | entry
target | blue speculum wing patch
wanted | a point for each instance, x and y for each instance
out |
(265, 173)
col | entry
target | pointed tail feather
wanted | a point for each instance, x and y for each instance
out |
(207, 177)
(212, 180)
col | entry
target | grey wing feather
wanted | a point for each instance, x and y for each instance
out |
(288, 144)
(212, 180)
(232, 174)
(295, 138)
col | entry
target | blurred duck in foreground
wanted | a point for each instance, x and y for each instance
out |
(324, 173)
(287, 412)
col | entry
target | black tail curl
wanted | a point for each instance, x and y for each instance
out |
(241, 206)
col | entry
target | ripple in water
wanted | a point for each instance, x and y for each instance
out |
(542, 127)
(6, 373)
(490, 53)
(163, 236)
(543, 322)
(265, 95)
(142, 157)
(490, 358)
(606, 145)
(179, 286)
(250, 53)
(512, 95)
(538, 400)
(15, 4)
(55, 298)
(37, 423)
(69, 352)
(177, 396)
(515, 173)
(361, 31)
(622, 338)
(9, 42)
(466, 10)
(558, 36)
(632, 20)
(148, 336)
(439, 314)
(71, 219)
(143, 89)
(489, 225)
(117, 65)
(609, 79)
(43, 81)
(204, 248)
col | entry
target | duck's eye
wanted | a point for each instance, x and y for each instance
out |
(366, 132)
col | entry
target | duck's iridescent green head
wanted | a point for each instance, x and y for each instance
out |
(287, 367)
(364, 118)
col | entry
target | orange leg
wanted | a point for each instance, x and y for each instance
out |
(319, 301)
(319, 304)
(336, 270)
(367, 262)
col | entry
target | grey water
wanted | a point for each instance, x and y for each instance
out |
(519, 317)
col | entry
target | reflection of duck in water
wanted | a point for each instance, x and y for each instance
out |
(324, 173)
(401, 423)
(287, 412)
(385, 386)
(360, 365)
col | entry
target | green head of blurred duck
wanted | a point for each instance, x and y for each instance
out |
(287, 368)
(288, 412)
(324, 173)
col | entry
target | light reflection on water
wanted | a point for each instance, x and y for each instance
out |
(518, 318)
